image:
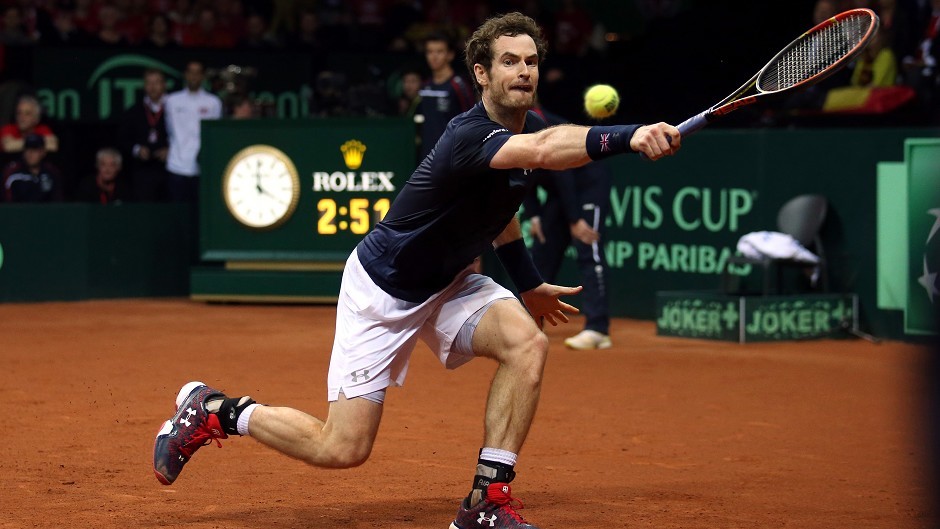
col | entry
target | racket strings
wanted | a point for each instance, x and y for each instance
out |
(814, 53)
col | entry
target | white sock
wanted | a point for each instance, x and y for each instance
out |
(243, 419)
(499, 456)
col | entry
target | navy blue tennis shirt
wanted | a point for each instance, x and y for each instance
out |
(449, 211)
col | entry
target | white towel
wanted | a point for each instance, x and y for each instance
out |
(775, 245)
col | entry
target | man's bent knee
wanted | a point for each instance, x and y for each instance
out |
(339, 455)
(536, 355)
(349, 433)
(353, 456)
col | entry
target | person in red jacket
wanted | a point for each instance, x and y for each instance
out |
(26, 121)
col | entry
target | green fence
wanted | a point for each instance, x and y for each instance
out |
(672, 224)
(81, 251)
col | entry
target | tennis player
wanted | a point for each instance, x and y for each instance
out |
(409, 279)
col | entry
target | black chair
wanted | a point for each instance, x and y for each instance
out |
(802, 218)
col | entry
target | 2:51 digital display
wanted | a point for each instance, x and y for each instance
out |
(357, 216)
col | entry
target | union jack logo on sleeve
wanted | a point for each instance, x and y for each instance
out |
(605, 142)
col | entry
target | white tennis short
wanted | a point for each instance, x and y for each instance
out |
(376, 332)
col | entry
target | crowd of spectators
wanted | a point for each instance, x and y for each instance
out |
(584, 47)
(306, 25)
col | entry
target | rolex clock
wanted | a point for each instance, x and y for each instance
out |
(261, 187)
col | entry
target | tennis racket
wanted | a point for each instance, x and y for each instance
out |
(812, 57)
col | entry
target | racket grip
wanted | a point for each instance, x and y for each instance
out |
(693, 124)
(689, 126)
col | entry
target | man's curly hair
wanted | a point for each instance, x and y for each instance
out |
(480, 45)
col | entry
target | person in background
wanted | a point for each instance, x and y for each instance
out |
(13, 31)
(242, 107)
(444, 95)
(27, 121)
(409, 97)
(920, 67)
(142, 137)
(106, 186)
(109, 35)
(185, 111)
(206, 33)
(158, 34)
(257, 36)
(877, 66)
(574, 213)
(63, 32)
(32, 178)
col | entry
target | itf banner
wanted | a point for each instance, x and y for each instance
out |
(923, 214)
(97, 85)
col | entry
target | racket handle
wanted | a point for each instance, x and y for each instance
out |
(689, 126)
(693, 124)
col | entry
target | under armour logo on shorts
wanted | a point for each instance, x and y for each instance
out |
(361, 373)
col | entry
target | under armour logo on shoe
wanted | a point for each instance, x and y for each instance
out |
(483, 518)
(185, 420)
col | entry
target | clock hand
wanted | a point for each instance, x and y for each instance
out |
(264, 191)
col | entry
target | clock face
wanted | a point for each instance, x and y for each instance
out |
(261, 187)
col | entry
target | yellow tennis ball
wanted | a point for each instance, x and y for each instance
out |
(601, 101)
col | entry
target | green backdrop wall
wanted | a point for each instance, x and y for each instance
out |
(672, 222)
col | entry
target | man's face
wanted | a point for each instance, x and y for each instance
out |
(154, 86)
(194, 76)
(27, 115)
(410, 85)
(33, 156)
(437, 54)
(513, 78)
(108, 168)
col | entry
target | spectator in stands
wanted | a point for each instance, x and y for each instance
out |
(184, 113)
(134, 19)
(64, 32)
(309, 39)
(920, 67)
(402, 18)
(257, 37)
(571, 30)
(25, 122)
(877, 65)
(13, 31)
(230, 17)
(143, 138)
(206, 33)
(812, 99)
(335, 20)
(181, 16)
(409, 96)
(824, 10)
(330, 95)
(35, 17)
(444, 95)
(159, 35)
(368, 23)
(85, 16)
(107, 185)
(240, 106)
(32, 178)
(109, 35)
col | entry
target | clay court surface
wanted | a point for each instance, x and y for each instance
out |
(653, 433)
